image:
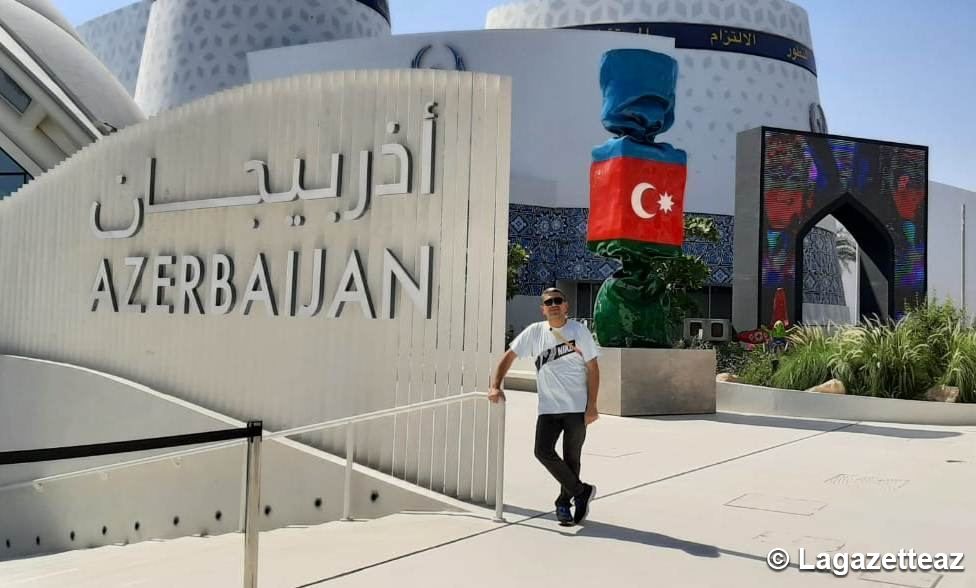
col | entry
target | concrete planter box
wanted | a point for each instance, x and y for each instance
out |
(732, 397)
(521, 376)
(647, 382)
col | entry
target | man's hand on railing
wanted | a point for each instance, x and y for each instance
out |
(591, 416)
(496, 395)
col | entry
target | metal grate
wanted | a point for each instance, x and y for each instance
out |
(857, 481)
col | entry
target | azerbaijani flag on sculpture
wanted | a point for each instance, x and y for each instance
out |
(637, 193)
(638, 200)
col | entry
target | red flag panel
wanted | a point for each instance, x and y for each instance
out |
(638, 200)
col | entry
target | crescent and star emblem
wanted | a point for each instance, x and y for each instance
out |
(664, 203)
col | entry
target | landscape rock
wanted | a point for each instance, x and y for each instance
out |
(727, 377)
(940, 393)
(830, 387)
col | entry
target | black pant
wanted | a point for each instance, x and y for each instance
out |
(566, 469)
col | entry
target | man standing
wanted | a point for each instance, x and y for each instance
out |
(567, 380)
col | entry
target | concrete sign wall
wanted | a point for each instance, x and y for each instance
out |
(293, 251)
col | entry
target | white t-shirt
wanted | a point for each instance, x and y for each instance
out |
(560, 371)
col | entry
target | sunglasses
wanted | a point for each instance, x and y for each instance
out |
(552, 301)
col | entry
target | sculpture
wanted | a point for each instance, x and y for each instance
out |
(637, 189)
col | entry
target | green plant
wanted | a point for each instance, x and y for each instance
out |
(681, 275)
(932, 344)
(935, 323)
(758, 368)
(807, 363)
(509, 336)
(883, 360)
(960, 369)
(684, 273)
(847, 358)
(693, 343)
(701, 228)
(518, 257)
(730, 357)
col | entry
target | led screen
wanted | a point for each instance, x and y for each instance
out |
(879, 191)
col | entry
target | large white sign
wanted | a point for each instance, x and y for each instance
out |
(292, 251)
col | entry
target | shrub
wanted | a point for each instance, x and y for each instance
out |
(518, 258)
(730, 357)
(880, 360)
(847, 358)
(935, 324)
(933, 344)
(807, 363)
(758, 368)
(960, 368)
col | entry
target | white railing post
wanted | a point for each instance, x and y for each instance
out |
(253, 502)
(962, 237)
(350, 457)
(500, 466)
(245, 465)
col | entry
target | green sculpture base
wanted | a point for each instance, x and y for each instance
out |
(633, 308)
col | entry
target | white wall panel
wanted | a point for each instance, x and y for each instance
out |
(950, 248)
(287, 371)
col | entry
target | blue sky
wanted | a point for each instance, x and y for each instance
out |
(893, 70)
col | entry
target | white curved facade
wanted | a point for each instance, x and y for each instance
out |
(47, 9)
(720, 92)
(194, 48)
(60, 54)
(772, 16)
(55, 96)
(117, 38)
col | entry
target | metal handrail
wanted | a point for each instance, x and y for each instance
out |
(251, 434)
(252, 487)
(39, 482)
(369, 416)
(285, 433)
(350, 424)
(345, 421)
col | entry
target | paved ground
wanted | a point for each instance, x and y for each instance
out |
(695, 501)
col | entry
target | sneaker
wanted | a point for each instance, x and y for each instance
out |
(564, 515)
(583, 502)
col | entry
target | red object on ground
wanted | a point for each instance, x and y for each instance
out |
(780, 312)
(755, 337)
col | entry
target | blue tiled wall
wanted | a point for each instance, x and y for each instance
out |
(556, 239)
(821, 269)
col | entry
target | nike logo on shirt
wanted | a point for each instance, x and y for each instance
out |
(554, 353)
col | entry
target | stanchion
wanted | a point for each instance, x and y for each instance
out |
(350, 458)
(253, 504)
(500, 466)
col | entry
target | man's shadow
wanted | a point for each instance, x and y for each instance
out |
(598, 530)
(588, 528)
